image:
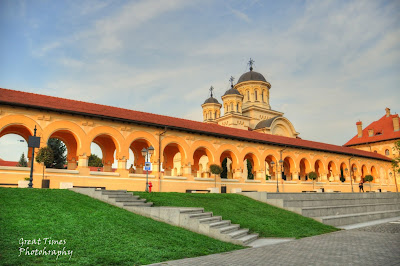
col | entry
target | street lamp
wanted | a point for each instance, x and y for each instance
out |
(147, 154)
(276, 176)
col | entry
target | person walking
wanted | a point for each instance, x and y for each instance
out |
(361, 186)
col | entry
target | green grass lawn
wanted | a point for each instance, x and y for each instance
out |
(96, 233)
(267, 220)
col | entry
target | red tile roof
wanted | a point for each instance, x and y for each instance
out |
(7, 163)
(383, 130)
(12, 97)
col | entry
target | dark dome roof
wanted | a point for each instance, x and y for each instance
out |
(251, 75)
(232, 91)
(266, 122)
(211, 100)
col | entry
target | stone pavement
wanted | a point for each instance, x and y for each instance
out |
(372, 245)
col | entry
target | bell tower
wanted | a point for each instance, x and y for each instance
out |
(211, 108)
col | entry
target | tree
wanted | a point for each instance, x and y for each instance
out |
(312, 176)
(45, 155)
(59, 151)
(396, 161)
(95, 161)
(22, 161)
(250, 174)
(369, 178)
(216, 170)
(342, 179)
(224, 173)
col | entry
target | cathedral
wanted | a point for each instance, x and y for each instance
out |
(247, 106)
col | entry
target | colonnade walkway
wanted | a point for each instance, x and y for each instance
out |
(371, 245)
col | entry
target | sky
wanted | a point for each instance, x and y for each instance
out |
(330, 63)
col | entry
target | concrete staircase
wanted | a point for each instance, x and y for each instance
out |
(337, 209)
(193, 219)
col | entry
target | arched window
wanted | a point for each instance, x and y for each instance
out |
(206, 116)
(237, 107)
(387, 152)
(262, 96)
(232, 107)
(210, 115)
(215, 114)
(248, 95)
(255, 93)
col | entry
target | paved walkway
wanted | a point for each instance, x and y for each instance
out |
(372, 245)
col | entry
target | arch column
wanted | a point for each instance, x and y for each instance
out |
(324, 176)
(296, 176)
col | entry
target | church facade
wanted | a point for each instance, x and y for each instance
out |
(245, 130)
(246, 106)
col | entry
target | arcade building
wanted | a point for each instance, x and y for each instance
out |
(241, 130)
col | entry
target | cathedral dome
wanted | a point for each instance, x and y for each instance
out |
(231, 91)
(251, 75)
(211, 100)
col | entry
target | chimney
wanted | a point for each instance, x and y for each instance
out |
(396, 126)
(370, 132)
(387, 112)
(359, 128)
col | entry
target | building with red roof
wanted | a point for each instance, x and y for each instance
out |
(379, 136)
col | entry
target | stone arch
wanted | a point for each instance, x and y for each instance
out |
(255, 156)
(283, 125)
(374, 173)
(23, 126)
(235, 152)
(269, 168)
(305, 168)
(183, 147)
(141, 135)
(174, 150)
(319, 168)
(136, 147)
(114, 134)
(344, 170)
(200, 165)
(332, 171)
(289, 166)
(66, 126)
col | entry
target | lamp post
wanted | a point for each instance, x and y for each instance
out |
(276, 175)
(146, 154)
(351, 178)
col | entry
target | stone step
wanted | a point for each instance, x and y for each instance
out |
(347, 209)
(220, 224)
(201, 215)
(338, 202)
(238, 233)
(130, 200)
(191, 211)
(329, 196)
(119, 196)
(137, 204)
(229, 228)
(247, 239)
(210, 219)
(108, 192)
(346, 219)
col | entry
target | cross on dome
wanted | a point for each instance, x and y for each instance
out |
(251, 62)
(211, 90)
(231, 80)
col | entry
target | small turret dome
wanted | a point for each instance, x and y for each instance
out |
(211, 100)
(231, 91)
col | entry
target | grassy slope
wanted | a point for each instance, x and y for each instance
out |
(97, 233)
(267, 220)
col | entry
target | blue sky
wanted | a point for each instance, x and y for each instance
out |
(330, 63)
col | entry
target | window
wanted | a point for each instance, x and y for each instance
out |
(262, 96)
(215, 114)
(248, 95)
(387, 152)
(237, 107)
(375, 151)
(210, 115)
(232, 107)
(255, 93)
